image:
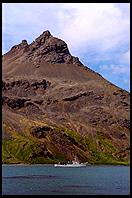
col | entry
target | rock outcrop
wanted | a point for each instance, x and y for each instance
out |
(45, 48)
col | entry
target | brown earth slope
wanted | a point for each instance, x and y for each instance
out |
(55, 108)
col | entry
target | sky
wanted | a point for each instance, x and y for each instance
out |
(97, 33)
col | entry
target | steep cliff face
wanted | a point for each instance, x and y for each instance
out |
(55, 108)
(44, 48)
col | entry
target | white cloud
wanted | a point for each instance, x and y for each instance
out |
(127, 81)
(119, 69)
(126, 57)
(115, 69)
(102, 26)
(117, 74)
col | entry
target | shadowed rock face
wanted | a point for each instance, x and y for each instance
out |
(51, 49)
(55, 108)
(45, 48)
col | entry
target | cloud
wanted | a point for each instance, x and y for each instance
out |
(126, 57)
(100, 26)
(115, 69)
(118, 74)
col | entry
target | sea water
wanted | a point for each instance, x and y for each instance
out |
(50, 180)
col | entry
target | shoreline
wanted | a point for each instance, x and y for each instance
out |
(21, 164)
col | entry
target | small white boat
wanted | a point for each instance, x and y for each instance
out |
(73, 164)
(69, 165)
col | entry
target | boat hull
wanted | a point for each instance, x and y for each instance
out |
(69, 165)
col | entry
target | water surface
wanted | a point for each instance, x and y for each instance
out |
(50, 180)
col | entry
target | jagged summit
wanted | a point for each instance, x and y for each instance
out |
(42, 38)
(45, 48)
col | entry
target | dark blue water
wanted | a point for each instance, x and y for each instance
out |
(49, 180)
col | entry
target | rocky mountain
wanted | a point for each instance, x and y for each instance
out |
(54, 108)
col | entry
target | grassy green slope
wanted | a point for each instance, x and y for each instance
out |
(25, 148)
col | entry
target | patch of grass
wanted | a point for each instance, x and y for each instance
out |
(7, 156)
(59, 156)
(108, 146)
(97, 157)
(70, 133)
(73, 134)
(90, 143)
(24, 148)
(18, 148)
(42, 160)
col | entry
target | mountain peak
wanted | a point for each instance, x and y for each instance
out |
(45, 48)
(46, 34)
(42, 38)
(51, 49)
